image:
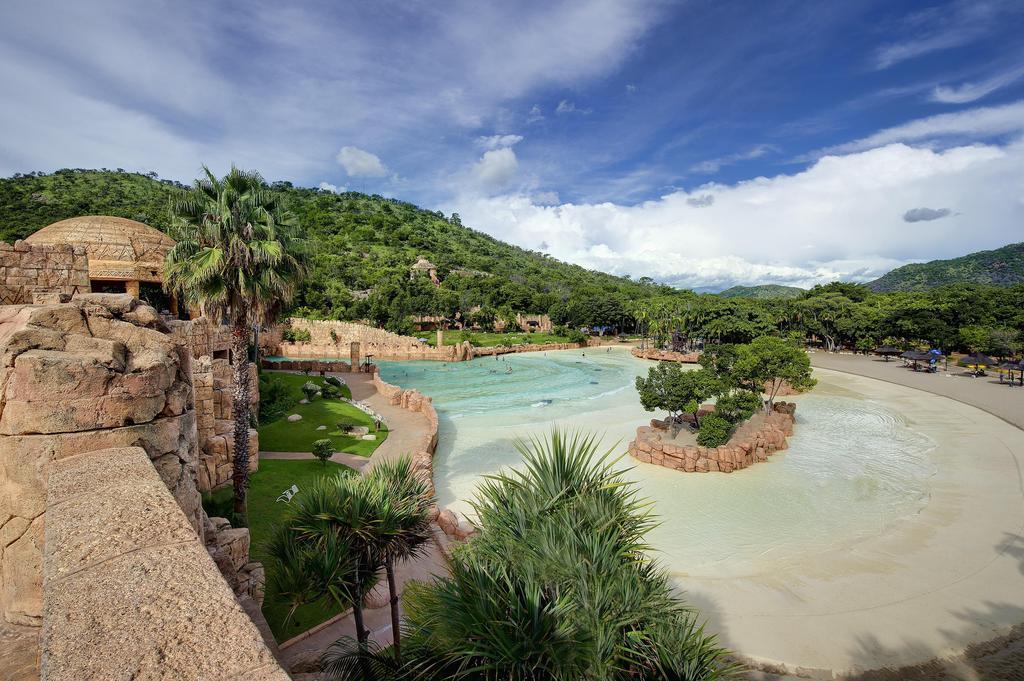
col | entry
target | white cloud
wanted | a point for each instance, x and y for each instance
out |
(567, 107)
(840, 218)
(630, 88)
(535, 115)
(496, 168)
(715, 164)
(498, 141)
(361, 163)
(333, 188)
(546, 198)
(976, 123)
(969, 92)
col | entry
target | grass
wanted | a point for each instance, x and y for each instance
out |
(490, 340)
(282, 435)
(265, 485)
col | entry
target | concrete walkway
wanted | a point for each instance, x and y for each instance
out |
(351, 460)
(984, 392)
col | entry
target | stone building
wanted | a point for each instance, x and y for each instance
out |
(124, 256)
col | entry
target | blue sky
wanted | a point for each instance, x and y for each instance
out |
(701, 143)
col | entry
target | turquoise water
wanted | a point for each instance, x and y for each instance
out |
(853, 467)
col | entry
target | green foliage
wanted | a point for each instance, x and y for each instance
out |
(770, 361)
(311, 390)
(329, 391)
(1001, 267)
(511, 606)
(714, 431)
(736, 406)
(323, 450)
(297, 335)
(335, 381)
(575, 336)
(763, 292)
(276, 397)
(668, 386)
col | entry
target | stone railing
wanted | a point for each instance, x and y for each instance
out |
(129, 588)
(667, 355)
(423, 457)
(755, 440)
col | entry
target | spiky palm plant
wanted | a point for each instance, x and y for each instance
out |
(237, 259)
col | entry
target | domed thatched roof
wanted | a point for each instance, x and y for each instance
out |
(117, 248)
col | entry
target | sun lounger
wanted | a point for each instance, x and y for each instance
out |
(286, 496)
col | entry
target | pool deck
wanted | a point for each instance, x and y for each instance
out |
(984, 392)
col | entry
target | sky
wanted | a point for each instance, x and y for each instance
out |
(702, 143)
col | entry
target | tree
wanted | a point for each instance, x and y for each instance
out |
(323, 450)
(235, 258)
(767, 362)
(668, 386)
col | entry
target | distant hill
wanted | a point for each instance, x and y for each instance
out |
(763, 292)
(1000, 267)
(363, 248)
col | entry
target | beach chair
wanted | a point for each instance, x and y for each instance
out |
(286, 496)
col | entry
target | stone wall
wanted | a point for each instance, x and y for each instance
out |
(204, 337)
(383, 345)
(214, 395)
(667, 355)
(130, 591)
(531, 347)
(28, 270)
(754, 440)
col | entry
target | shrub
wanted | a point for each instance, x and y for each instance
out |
(310, 390)
(334, 380)
(576, 336)
(560, 330)
(275, 398)
(714, 431)
(296, 336)
(330, 391)
(323, 450)
(738, 406)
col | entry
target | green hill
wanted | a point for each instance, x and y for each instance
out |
(362, 250)
(1000, 267)
(763, 292)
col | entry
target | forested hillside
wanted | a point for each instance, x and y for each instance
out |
(763, 292)
(1000, 267)
(362, 250)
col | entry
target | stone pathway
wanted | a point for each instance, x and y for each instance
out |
(351, 460)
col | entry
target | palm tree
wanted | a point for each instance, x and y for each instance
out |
(403, 514)
(237, 259)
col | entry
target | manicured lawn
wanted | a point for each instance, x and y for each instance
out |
(265, 485)
(282, 435)
(488, 340)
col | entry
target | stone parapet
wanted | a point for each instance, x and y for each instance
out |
(129, 588)
(667, 355)
(754, 440)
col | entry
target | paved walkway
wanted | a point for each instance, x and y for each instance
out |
(985, 392)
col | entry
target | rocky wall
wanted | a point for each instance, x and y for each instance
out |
(130, 591)
(373, 341)
(75, 377)
(28, 271)
(667, 355)
(214, 381)
(753, 441)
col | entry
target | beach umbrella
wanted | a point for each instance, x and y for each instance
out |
(976, 359)
(887, 351)
(1009, 368)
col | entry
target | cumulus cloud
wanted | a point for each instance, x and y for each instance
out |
(361, 163)
(715, 164)
(536, 114)
(548, 198)
(567, 107)
(841, 218)
(701, 201)
(969, 92)
(496, 168)
(925, 214)
(333, 188)
(497, 141)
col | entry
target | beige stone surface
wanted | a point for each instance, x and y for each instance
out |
(132, 593)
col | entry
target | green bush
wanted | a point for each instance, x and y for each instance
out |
(275, 398)
(576, 336)
(738, 406)
(296, 336)
(310, 390)
(330, 391)
(323, 450)
(714, 431)
(334, 380)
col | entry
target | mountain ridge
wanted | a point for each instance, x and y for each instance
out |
(1002, 266)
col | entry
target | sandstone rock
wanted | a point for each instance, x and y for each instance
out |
(447, 521)
(378, 596)
(321, 427)
(294, 417)
(369, 437)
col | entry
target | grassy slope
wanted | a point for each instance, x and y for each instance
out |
(282, 435)
(272, 478)
(763, 292)
(1002, 267)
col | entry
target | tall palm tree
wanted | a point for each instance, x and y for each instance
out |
(403, 515)
(237, 259)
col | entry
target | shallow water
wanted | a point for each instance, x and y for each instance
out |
(853, 468)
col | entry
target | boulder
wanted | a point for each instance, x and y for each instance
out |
(294, 417)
